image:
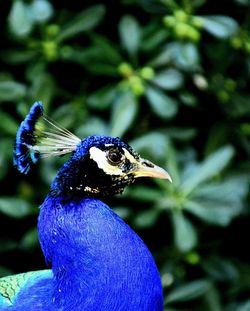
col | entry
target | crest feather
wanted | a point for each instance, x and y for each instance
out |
(38, 136)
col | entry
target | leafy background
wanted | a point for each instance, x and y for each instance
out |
(171, 78)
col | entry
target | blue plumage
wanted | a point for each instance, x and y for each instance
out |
(97, 261)
(25, 138)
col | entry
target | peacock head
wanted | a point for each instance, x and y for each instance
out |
(98, 166)
(103, 165)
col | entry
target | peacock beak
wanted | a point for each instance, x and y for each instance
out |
(146, 168)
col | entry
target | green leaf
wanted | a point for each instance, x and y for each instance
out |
(188, 99)
(212, 298)
(185, 234)
(221, 269)
(238, 106)
(130, 34)
(169, 79)
(84, 21)
(152, 41)
(163, 58)
(212, 213)
(92, 126)
(220, 26)
(123, 113)
(146, 218)
(211, 166)
(244, 306)
(41, 10)
(11, 91)
(101, 57)
(243, 2)
(143, 194)
(122, 211)
(153, 145)
(8, 124)
(18, 57)
(102, 98)
(68, 114)
(190, 291)
(108, 51)
(20, 21)
(102, 69)
(14, 207)
(185, 55)
(43, 88)
(35, 70)
(29, 240)
(181, 133)
(6, 145)
(163, 105)
(231, 191)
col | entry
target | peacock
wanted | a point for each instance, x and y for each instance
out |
(97, 261)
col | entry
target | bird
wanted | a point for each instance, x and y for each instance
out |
(95, 260)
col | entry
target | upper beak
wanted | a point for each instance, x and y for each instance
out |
(146, 168)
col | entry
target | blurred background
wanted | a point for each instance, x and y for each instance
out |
(172, 79)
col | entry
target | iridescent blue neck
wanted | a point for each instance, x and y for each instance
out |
(98, 261)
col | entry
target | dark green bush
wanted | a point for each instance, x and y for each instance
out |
(172, 78)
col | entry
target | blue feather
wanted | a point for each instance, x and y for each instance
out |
(97, 261)
(37, 137)
(23, 158)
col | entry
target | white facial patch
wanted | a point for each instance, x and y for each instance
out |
(129, 156)
(99, 157)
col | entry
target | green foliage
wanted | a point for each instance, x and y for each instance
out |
(171, 77)
(14, 207)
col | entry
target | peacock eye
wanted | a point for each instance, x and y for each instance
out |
(115, 157)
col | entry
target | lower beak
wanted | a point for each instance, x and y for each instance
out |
(146, 168)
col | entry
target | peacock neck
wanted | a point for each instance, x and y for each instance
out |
(95, 256)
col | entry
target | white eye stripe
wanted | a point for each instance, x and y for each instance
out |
(129, 156)
(99, 157)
